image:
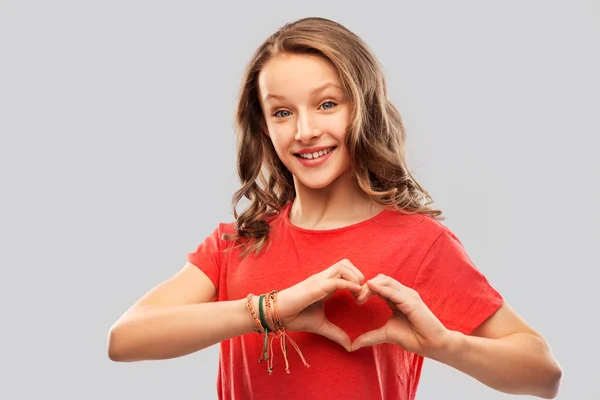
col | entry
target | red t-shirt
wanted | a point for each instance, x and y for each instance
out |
(416, 250)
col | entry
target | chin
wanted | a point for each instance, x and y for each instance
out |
(316, 183)
(321, 179)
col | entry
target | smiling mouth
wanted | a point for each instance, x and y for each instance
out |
(316, 154)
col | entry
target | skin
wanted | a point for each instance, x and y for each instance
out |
(299, 115)
(178, 316)
(498, 353)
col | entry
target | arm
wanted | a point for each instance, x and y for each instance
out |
(176, 318)
(504, 353)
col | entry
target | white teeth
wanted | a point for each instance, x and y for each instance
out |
(316, 154)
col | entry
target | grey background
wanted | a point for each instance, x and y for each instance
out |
(117, 157)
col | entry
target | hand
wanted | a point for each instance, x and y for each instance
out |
(412, 325)
(300, 307)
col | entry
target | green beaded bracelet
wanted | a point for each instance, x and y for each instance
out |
(263, 321)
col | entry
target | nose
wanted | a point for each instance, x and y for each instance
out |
(306, 129)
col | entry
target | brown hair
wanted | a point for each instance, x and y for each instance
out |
(375, 138)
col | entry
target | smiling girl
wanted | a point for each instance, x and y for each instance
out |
(339, 276)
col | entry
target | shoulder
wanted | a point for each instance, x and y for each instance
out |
(422, 227)
(225, 228)
(230, 228)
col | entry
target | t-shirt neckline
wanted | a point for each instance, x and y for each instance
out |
(286, 220)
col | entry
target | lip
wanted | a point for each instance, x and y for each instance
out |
(313, 149)
(313, 162)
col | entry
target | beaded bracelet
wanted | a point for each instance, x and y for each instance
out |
(250, 307)
(265, 326)
(278, 330)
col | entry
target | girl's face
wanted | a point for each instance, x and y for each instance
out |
(306, 117)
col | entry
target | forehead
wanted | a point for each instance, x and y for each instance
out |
(285, 74)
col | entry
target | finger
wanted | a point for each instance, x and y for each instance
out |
(347, 272)
(341, 270)
(331, 285)
(389, 281)
(352, 267)
(336, 334)
(364, 294)
(390, 291)
(369, 339)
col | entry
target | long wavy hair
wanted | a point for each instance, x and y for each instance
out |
(375, 137)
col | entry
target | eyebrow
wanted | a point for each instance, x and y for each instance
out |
(317, 90)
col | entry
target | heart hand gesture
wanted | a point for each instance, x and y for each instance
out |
(302, 305)
(412, 325)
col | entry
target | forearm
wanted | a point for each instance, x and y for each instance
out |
(153, 332)
(517, 364)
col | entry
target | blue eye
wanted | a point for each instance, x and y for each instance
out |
(328, 105)
(333, 104)
(277, 114)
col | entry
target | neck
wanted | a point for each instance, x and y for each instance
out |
(340, 203)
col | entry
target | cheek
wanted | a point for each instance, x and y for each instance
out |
(276, 140)
(280, 144)
(338, 132)
(339, 124)
(281, 136)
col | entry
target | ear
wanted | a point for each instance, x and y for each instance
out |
(264, 129)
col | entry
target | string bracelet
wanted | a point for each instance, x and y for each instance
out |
(268, 323)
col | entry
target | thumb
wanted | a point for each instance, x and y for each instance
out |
(369, 339)
(336, 334)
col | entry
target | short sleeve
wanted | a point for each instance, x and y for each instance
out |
(208, 255)
(453, 288)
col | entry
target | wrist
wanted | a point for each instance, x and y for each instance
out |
(262, 313)
(255, 306)
(450, 348)
(252, 312)
(267, 312)
(283, 307)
